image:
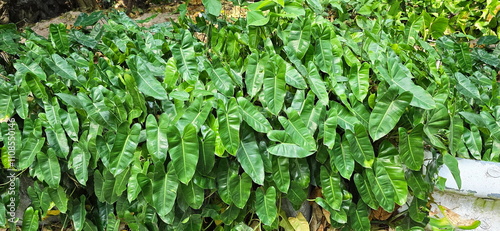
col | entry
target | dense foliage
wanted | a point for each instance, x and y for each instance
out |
(214, 123)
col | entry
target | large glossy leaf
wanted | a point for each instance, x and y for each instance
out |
(255, 71)
(323, 54)
(250, 158)
(60, 198)
(28, 66)
(146, 81)
(251, 115)
(157, 141)
(78, 213)
(123, 148)
(473, 141)
(297, 130)
(184, 55)
(103, 186)
(452, 164)
(274, 86)
(184, 151)
(57, 140)
(365, 191)
(359, 80)
(397, 177)
(229, 125)
(192, 194)
(387, 112)
(30, 149)
(411, 147)
(289, 150)
(456, 131)
(70, 122)
(464, 58)
(466, 87)
(240, 189)
(79, 160)
(50, 168)
(212, 7)
(207, 152)
(61, 67)
(59, 37)
(164, 188)
(265, 205)
(196, 113)
(361, 147)
(294, 78)
(281, 173)
(30, 219)
(331, 189)
(330, 128)
(381, 187)
(300, 36)
(341, 158)
(317, 84)
(397, 74)
(358, 216)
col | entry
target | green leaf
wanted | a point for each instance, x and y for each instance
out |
(274, 87)
(61, 67)
(30, 219)
(365, 190)
(192, 194)
(157, 141)
(255, 71)
(59, 37)
(78, 213)
(85, 20)
(361, 147)
(456, 131)
(452, 164)
(265, 205)
(281, 173)
(387, 112)
(240, 189)
(124, 147)
(411, 147)
(438, 27)
(146, 82)
(70, 122)
(297, 130)
(466, 87)
(32, 67)
(250, 158)
(79, 162)
(463, 58)
(252, 116)
(222, 80)
(294, 78)
(30, 149)
(358, 216)
(397, 178)
(184, 151)
(103, 186)
(289, 150)
(185, 58)
(341, 158)
(164, 189)
(212, 7)
(229, 125)
(36, 87)
(60, 198)
(397, 74)
(50, 168)
(381, 187)
(323, 53)
(473, 141)
(207, 152)
(196, 113)
(359, 80)
(256, 18)
(299, 37)
(330, 184)
(330, 128)
(317, 84)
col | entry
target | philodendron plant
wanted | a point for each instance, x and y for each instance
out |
(214, 123)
